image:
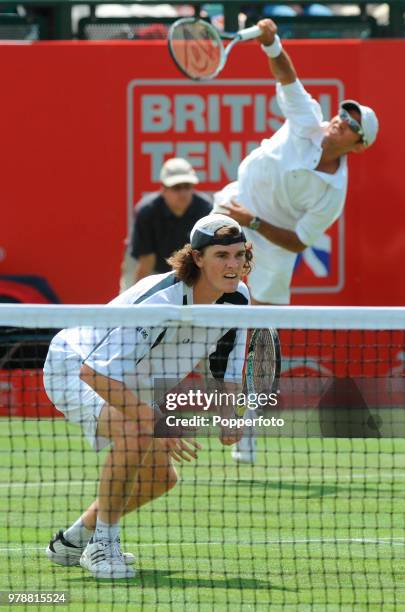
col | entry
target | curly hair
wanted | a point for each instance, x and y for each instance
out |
(183, 263)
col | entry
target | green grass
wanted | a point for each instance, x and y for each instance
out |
(315, 525)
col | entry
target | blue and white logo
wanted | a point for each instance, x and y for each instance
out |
(317, 257)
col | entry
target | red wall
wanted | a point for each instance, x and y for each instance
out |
(70, 168)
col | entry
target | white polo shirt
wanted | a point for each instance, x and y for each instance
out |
(278, 181)
(138, 355)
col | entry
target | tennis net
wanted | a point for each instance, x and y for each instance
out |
(306, 514)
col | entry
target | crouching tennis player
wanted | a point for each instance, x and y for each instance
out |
(103, 380)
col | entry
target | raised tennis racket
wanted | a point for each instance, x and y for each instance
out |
(197, 49)
(263, 363)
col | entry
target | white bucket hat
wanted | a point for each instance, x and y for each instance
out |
(176, 171)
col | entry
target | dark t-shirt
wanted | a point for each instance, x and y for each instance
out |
(157, 230)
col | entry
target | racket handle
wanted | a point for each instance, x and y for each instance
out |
(249, 33)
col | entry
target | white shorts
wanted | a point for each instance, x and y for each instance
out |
(273, 267)
(74, 398)
(272, 270)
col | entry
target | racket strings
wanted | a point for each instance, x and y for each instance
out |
(264, 361)
(197, 49)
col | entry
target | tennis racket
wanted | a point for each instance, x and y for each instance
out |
(197, 49)
(263, 362)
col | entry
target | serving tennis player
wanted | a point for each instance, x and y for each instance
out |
(103, 380)
(293, 186)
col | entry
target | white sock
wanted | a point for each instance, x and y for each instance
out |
(106, 531)
(77, 534)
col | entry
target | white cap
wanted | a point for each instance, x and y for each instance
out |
(369, 121)
(176, 171)
(203, 232)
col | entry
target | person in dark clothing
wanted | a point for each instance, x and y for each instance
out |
(163, 221)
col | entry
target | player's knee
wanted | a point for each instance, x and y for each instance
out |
(122, 430)
(164, 480)
(131, 430)
(131, 439)
(171, 479)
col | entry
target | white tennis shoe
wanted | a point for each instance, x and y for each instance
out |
(62, 552)
(105, 560)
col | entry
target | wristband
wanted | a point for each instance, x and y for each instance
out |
(273, 50)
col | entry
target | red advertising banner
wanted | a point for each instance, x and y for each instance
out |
(87, 126)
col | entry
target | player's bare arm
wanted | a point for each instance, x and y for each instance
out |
(281, 66)
(116, 394)
(287, 239)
